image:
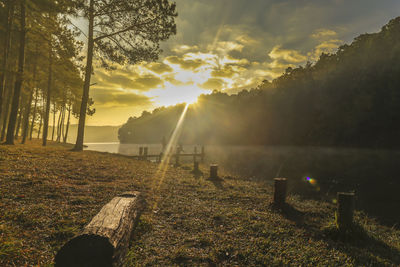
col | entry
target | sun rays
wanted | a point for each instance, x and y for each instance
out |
(159, 176)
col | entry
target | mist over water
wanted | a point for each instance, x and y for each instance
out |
(313, 172)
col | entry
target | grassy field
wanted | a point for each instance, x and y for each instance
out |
(48, 194)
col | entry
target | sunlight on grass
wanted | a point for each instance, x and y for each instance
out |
(168, 152)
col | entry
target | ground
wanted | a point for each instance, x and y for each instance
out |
(47, 195)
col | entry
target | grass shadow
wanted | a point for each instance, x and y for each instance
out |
(197, 173)
(357, 238)
(358, 243)
(217, 182)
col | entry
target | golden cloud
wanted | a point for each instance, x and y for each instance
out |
(146, 82)
(323, 33)
(130, 80)
(182, 49)
(171, 79)
(119, 98)
(224, 72)
(213, 84)
(186, 64)
(288, 55)
(325, 47)
(158, 67)
(226, 46)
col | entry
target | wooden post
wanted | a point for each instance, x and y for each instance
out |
(105, 240)
(280, 191)
(140, 152)
(345, 208)
(145, 151)
(195, 154)
(202, 154)
(196, 166)
(178, 151)
(213, 171)
(160, 157)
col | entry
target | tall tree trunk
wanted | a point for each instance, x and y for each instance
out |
(34, 113)
(25, 121)
(18, 82)
(25, 125)
(88, 73)
(67, 127)
(63, 122)
(59, 126)
(54, 120)
(7, 41)
(19, 118)
(7, 107)
(48, 95)
(40, 123)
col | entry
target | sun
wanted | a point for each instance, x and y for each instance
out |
(175, 94)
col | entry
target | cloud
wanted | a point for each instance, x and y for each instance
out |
(288, 55)
(226, 71)
(323, 33)
(146, 82)
(171, 79)
(158, 68)
(127, 79)
(324, 47)
(186, 64)
(119, 98)
(213, 84)
(226, 46)
(182, 49)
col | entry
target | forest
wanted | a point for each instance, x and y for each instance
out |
(45, 71)
(40, 74)
(348, 98)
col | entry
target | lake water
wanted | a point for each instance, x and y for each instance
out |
(372, 174)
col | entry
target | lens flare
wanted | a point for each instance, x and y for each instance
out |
(167, 155)
(312, 181)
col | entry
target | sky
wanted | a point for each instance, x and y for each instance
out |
(231, 45)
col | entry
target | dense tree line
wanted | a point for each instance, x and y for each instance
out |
(347, 98)
(42, 74)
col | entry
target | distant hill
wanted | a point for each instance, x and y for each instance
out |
(348, 98)
(93, 134)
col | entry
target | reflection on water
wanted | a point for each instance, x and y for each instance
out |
(317, 172)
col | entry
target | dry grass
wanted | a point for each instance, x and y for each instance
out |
(48, 194)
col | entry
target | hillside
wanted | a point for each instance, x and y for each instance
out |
(48, 194)
(349, 98)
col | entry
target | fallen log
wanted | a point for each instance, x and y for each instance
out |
(105, 240)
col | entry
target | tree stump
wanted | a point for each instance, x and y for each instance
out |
(140, 152)
(178, 152)
(213, 171)
(195, 167)
(345, 208)
(105, 240)
(195, 154)
(280, 191)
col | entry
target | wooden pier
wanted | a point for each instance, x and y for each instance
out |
(143, 155)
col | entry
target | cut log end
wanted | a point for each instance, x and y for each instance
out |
(105, 240)
(86, 250)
